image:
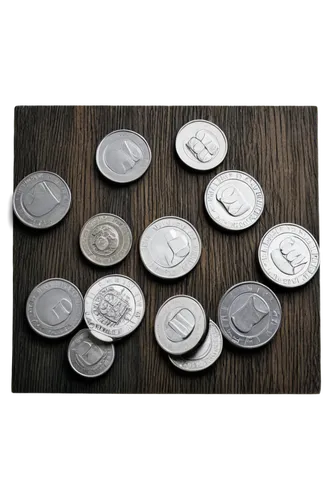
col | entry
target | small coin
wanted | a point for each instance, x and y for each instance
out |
(289, 255)
(203, 356)
(249, 314)
(54, 308)
(123, 156)
(114, 307)
(170, 247)
(180, 324)
(41, 199)
(89, 356)
(201, 144)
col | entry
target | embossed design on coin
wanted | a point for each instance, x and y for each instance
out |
(203, 146)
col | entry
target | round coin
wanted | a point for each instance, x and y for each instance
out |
(123, 156)
(41, 199)
(203, 356)
(234, 200)
(180, 324)
(114, 307)
(289, 255)
(170, 247)
(249, 314)
(89, 356)
(201, 144)
(54, 308)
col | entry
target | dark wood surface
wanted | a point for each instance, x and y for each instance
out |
(277, 145)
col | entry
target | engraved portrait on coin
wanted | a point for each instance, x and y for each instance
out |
(89, 356)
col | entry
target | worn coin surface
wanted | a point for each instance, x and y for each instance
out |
(41, 199)
(170, 247)
(54, 308)
(234, 200)
(123, 156)
(89, 356)
(203, 356)
(201, 144)
(114, 307)
(249, 314)
(180, 324)
(289, 255)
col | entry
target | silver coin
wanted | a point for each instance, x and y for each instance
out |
(89, 356)
(180, 324)
(54, 308)
(123, 156)
(105, 239)
(249, 314)
(289, 255)
(114, 306)
(170, 247)
(201, 144)
(234, 200)
(41, 199)
(203, 356)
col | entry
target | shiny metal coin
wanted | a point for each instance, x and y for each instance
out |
(249, 314)
(89, 356)
(41, 199)
(234, 200)
(54, 308)
(180, 324)
(203, 356)
(202, 145)
(114, 307)
(170, 247)
(123, 156)
(289, 255)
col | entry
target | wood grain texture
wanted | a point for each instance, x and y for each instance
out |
(277, 145)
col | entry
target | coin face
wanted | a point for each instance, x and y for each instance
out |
(123, 156)
(249, 314)
(114, 307)
(54, 308)
(89, 356)
(234, 200)
(203, 356)
(289, 255)
(170, 247)
(201, 145)
(180, 324)
(41, 199)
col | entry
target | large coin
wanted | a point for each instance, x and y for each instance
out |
(105, 239)
(123, 156)
(114, 307)
(41, 199)
(234, 200)
(203, 356)
(289, 255)
(89, 356)
(202, 145)
(249, 314)
(55, 308)
(170, 247)
(180, 324)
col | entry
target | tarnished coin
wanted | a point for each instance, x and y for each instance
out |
(289, 255)
(202, 145)
(180, 324)
(41, 199)
(123, 156)
(170, 247)
(234, 200)
(105, 239)
(203, 356)
(114, 307)
(249, 314)
(54, 308)
(89, 356)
